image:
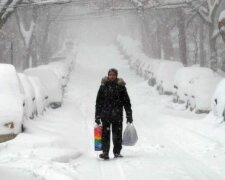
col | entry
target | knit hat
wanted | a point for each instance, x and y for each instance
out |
(113, 70)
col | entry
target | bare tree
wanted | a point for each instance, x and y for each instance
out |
(28, 29)
(207, 11)
(6, 10)
(182, 36)
(27, 34)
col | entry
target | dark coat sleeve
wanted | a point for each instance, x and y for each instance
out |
(127, 105)
(99, 103)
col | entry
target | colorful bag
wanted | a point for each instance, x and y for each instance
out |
(98, 138)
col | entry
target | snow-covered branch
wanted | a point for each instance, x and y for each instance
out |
(206, 12)
(46, 2)
(156, 4)
(25, 33)
(7, 7)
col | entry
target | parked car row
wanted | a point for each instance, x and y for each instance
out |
(26, 95)
(196, 88)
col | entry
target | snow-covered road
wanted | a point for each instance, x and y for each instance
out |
(173, 145)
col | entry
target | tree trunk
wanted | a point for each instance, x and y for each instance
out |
(201, 43)
(212, 48)
(167, 45)
(26, 61)
(44, 49)
(182, 36)
(145, 34)
(156, 45)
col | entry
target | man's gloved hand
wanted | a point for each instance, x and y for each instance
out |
(97, 121)
(129, 120)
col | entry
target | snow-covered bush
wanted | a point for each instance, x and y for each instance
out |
(165, 75)
(184, 79)
(30, 106)
(203, 90)
(11, 104)
(40, 92)
(50, 80)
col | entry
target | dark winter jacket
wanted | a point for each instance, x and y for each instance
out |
(112, 97)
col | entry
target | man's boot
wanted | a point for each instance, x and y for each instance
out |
(104, 156)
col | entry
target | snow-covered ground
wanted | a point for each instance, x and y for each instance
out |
(173, 145)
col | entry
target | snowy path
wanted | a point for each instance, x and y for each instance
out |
(173, 145)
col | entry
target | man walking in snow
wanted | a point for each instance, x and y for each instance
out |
(111, 98)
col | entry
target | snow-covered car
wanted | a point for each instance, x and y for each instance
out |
(59, 69)
(69, 62)
(165, 76)
(146, 71)
(30, 106)
(68, 48)
(144, 61)
(51, 82)
(154, 65)
(218, 100)
(11, 101)
(41, 97)
(62, 71)
(201, 96)
(140, 69)
(134, 63)
(183, 82)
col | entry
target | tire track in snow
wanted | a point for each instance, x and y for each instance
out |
(111, 170)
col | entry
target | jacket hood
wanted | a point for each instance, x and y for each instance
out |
(119, 81)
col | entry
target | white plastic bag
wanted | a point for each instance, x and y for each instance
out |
(130, 135)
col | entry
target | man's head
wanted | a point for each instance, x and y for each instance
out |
(112, 74)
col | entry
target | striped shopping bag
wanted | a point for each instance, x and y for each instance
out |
(98, 138)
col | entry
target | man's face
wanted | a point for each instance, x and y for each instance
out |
(112, 76)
